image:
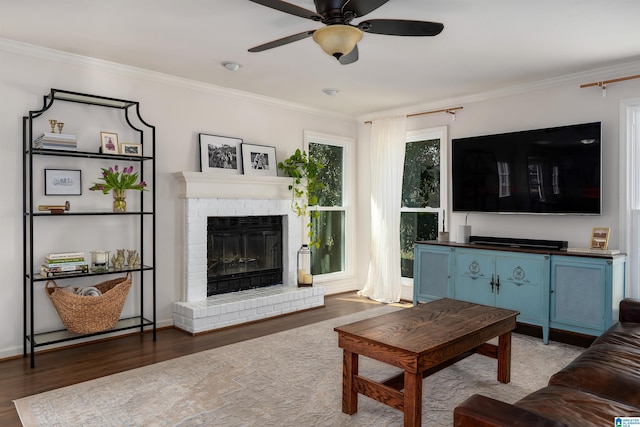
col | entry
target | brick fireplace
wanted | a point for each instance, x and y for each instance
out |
(207, 195)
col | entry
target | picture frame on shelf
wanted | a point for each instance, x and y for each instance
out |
(220, 154)
(129, 149)
(600, 238)
(109, 143)
(62, 182)
(259, 160)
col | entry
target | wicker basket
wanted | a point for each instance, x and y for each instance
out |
(88, 314)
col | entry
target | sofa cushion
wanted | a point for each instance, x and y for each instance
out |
(575, 408)
(622, 333)
(608, 370)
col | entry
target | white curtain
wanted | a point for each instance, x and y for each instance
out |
(630, 196)
(387, 146)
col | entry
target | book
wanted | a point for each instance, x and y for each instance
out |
(83, 267)
(63, 255)
(64, 264)
(45, 272)
(69, 261)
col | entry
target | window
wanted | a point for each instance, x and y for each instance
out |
(424, 191)
(333, 225)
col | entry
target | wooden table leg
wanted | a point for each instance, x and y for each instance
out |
(412, 399)
(504, 358)
(349, 393)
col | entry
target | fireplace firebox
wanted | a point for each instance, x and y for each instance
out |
(243, 253)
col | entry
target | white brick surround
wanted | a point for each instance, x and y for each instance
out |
(208, 195)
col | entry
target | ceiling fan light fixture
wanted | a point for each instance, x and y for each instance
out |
(337, 40)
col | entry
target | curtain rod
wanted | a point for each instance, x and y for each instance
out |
(451, 110)
(605, 82)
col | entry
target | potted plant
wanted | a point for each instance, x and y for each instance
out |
(118, 182)
(304, 187)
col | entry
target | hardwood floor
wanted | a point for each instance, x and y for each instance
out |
(71, 365)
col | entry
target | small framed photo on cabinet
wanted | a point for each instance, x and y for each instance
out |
(130, 149)
(600, 238)
(109, 143)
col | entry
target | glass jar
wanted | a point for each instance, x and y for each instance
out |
(305, 278)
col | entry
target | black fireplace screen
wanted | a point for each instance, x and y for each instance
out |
(243, 253)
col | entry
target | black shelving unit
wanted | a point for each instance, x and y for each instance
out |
(147, 166)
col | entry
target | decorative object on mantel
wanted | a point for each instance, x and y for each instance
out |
(443, 236)
(55, 209)
(259, 160)
(304, 174)
(305, 277)
(118, 182)
(220, 154)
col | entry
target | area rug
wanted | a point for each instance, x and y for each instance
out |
(291, 378)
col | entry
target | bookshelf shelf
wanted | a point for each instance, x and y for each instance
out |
(141, 219)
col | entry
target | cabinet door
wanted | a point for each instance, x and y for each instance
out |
(431, 275)
(522, 283)
(474, 272)
(578, 292)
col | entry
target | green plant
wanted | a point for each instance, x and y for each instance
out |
(118, 181)
(304, 187)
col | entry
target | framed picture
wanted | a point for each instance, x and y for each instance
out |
(62, 182)
(109, 143)
(130, 149)
(259, 160)
(600, 238)
(220, 154)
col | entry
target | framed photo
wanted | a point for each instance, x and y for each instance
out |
(130, 149)
(109, 143)
(259, 160)
(62, 182)
(600, 238)
(220, 154)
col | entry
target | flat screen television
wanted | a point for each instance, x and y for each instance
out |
(543, 171)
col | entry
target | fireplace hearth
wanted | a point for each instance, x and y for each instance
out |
(243, 252)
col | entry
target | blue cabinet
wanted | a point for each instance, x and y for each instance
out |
(434, 265)
(515, 281)
(585, 293)
(551, 290)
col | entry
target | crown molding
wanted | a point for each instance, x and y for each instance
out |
(603, 73)
(48, 54)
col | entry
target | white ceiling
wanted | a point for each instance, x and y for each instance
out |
(485, 45)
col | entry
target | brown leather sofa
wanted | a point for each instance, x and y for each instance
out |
(599, 385)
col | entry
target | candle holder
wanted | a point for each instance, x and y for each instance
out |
(305, 278)
(99, 261)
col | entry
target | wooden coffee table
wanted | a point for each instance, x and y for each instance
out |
(421, 340)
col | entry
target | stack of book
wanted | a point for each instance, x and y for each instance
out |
(56, 141)
(63, 264)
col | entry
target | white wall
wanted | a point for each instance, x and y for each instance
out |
(178, 108)
(548, 105)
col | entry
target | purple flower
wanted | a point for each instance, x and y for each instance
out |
(116, 168)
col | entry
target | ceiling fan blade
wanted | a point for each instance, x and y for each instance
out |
(289, 8)
(362, 7)
(350, 57)
(400, 27)
(282, 41)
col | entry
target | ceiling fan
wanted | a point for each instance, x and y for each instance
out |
(339, 37)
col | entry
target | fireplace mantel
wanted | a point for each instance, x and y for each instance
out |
(233, 186)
